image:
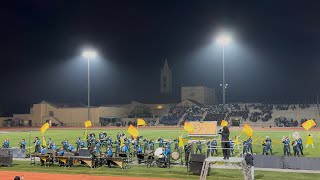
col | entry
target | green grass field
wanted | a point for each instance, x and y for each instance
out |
(176, 172)
(57, 135)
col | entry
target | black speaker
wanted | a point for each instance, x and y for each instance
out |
(84, 152)
(6, 160)
(198, 157)
(195, 167)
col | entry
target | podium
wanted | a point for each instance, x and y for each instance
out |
(236, 161)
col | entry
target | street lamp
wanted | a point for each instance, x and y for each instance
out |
(89, 55)
(223, 39)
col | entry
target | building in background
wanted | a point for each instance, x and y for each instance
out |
(166, 79)
(199, 94)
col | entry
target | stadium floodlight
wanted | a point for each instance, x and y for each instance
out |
(223, 39)
(89, 54)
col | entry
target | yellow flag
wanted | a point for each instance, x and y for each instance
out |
(44, 127)
(237, 140)
(141, 122)
(224, 123)
(308, 124)
(133, 131)
(180, 142)
(188, 127)
(87, 124)
(248, 130)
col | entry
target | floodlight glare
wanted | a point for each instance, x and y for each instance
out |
(89, 54)
(224, 39)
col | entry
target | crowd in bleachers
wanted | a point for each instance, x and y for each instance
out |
(252, 112)
(173, 116)
(284, 122)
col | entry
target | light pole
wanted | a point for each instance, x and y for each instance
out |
(89, 55)
(223, 40)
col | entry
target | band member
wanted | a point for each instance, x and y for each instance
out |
(166, 153)
(61, 152)
(127, 144)
(6, 143)
(231, 147)
(225, 142)
(23, 144)
(176, 144)
(187, 150)
(117, 144)
(214, 145)
(250, 165)
(50, 143)
(264, 148)
(168, 145)
(249, 142)
(300, 145)
(296, 151)
(146, 144)
(37, 145)
(309, 141)
(160, 142)
(55, 147)
(151, 145)
(209, 149)
(70, 148)
(198, 147)
(78, 143)
(124, 149)
(268, 145)
(109, 141)
(245, 147)
(139, 149)
(118, 136)
(43, 150)
(286, 146)
(109, 152)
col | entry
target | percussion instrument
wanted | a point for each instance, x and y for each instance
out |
(159, 153)
(175, 156)
(149, 153)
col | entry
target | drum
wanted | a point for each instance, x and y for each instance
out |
(159, 153)
(175, 156)
(149, 153)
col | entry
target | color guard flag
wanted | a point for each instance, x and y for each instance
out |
(133, 131)
(248, 130)
(188, 127)
(224, 123)
(87, 124)
(44, 127)
(141, 122)
(308, 124)
(237, 141)
(180, 142)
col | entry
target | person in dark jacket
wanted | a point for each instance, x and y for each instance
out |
(250, 165)
(225, 143)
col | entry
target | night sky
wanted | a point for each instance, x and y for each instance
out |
(274, 55)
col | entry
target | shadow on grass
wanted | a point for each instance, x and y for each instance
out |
(259, 176)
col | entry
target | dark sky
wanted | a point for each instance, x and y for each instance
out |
(274, 54)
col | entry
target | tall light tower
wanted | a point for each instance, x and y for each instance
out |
(223, 40)
(89, 54)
